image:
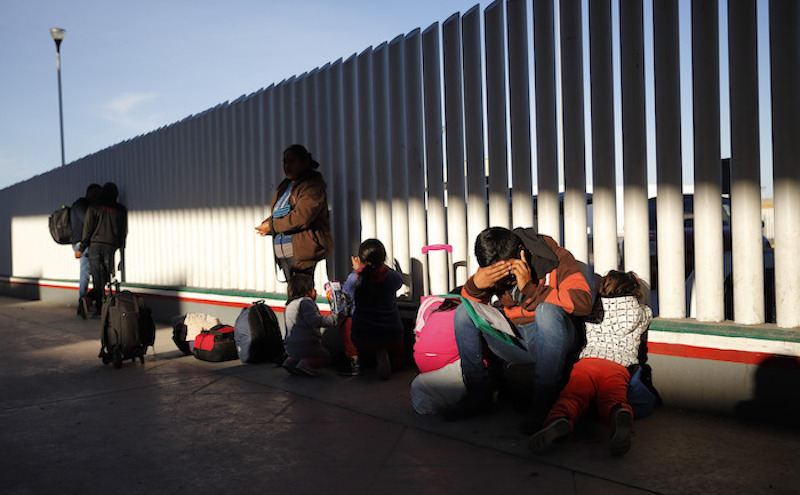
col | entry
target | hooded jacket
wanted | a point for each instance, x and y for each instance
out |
(563, 284)
(106, 223)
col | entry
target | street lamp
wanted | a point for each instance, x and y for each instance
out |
(58, 36)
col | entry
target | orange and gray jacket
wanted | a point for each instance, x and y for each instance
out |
(564, 286)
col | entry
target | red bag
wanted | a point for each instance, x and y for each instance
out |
(216, 344)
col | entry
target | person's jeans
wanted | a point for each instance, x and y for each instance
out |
(547, 343)
(101, 264)
(83, 280)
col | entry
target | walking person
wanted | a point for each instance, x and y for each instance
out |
(104, 232)
(77, 215)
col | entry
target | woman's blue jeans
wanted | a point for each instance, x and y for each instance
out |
(547, 342)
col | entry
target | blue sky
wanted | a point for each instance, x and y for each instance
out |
(129, 67)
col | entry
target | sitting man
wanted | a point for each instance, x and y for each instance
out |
(539, 285)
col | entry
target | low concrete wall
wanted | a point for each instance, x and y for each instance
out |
(749, 371)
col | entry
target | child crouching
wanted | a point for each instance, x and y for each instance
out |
(303, 328)
(376, 327)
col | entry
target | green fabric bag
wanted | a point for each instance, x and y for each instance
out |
(490, 320)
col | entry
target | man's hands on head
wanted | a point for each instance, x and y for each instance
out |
(487, 276)
(521, 270)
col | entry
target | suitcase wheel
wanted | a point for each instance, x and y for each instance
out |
(117, 358)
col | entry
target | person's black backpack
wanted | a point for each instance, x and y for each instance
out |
(60, 226)
(258, 335)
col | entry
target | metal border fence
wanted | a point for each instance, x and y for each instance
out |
(437, 134)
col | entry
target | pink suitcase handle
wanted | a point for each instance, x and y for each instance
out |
(437, 247)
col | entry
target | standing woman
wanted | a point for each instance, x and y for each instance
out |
(300, 225)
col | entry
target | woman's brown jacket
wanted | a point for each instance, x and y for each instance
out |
(308, 222)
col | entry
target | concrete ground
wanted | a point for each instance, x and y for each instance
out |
(179, 425)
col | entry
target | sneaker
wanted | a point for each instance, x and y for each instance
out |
(352, 368)
(543, 440)
(306, 369)
(290, 365)
(384, 366)
(621, 438)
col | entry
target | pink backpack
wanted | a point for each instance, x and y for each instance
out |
(435, 345)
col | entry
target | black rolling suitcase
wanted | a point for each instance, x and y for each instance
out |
(127, 327)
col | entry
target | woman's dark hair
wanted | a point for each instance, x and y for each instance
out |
(372, 254)
(618, 284)
(300, 285)
(496, 244)
(302, 153)
(614, 284)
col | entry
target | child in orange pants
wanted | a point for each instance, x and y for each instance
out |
(601, 374)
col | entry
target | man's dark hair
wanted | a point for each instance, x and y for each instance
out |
(495, 244)
(93, 192)
(110, 192)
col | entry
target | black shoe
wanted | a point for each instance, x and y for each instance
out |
(351, 368)
(469, 406)
(83, 307)
(621, 438)
(544, 439)
(290, 365)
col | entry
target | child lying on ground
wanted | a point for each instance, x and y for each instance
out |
(601, 374)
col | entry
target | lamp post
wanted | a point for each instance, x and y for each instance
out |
(58, 37)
